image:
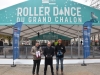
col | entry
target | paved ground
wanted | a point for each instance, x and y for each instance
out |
(90, 69)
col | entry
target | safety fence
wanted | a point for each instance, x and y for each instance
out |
(72, 52)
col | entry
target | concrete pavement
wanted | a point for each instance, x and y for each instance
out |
(90, 69)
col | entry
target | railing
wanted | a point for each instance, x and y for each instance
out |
(71, 52)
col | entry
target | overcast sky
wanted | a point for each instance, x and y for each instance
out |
(85, 2)
(8, 3)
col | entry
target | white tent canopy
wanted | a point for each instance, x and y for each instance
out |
(29, 31)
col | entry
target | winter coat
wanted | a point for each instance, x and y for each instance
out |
(59, 51)
(34, 49)
(48, 53)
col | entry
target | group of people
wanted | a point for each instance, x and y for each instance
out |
(48, 52)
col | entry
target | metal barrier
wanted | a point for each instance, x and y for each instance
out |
(71, 52)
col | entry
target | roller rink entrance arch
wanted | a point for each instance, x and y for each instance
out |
(63, 17)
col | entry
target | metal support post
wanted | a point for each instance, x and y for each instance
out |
(26, 53)
(78, 45)
(71, 52)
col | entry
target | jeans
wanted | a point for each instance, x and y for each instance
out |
(36, 63)
(57, 65)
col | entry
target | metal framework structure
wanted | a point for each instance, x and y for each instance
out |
(29, 31)
(70, 31)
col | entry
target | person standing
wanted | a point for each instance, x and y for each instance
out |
(1, 46)
(56, 42)
(59, 51)
(36, 51)
(48, 53)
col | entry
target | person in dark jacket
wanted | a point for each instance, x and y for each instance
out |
(48, 53)
(59, 51)
(1, 46)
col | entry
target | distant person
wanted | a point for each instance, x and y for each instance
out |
(52, 44)
(56, 42)
(1, 46)
(48, 53)
(59, 51)
(36, 51)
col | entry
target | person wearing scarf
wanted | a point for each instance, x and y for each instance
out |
(36, 51)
